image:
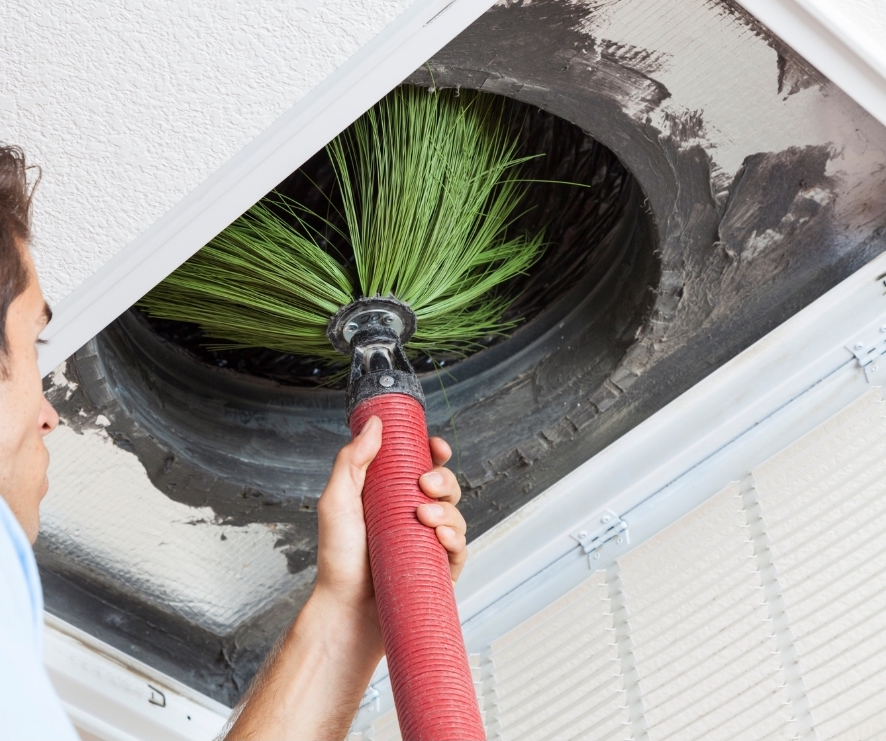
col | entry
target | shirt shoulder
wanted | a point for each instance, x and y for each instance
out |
(21, 597)
(29, 707)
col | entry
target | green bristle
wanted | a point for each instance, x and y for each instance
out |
(429, 185)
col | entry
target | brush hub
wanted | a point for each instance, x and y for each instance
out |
(373, 317)
(367, 315)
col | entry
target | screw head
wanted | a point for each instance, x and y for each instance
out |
(582, 534)
(883, 328)
(618, 541)
(875, 368)
(605, 518)
(596, 555)
(859, 345)
(386, 381)
(353, 326)
(387, 319)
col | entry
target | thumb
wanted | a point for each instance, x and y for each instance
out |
(354, 458)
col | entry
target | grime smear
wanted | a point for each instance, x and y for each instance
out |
(773, 101)
(796, 188)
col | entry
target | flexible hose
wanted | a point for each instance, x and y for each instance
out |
(433, 689)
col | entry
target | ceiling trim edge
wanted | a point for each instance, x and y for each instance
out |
(109, 694)
(412, 38)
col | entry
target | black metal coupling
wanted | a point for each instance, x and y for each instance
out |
(372, 331)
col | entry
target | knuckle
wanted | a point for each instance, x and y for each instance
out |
(450, 486)
(457, 519)
(457, 540)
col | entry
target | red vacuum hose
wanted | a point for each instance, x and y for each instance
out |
(427, 660)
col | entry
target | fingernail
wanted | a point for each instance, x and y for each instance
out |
(434, 510)
(433, 479)
(365, 427)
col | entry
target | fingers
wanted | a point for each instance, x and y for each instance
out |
(450, 527)
(440, 451)
(442, 514)
(440, 484)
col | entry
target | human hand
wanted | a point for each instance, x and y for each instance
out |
(343, 575)
(311, 687)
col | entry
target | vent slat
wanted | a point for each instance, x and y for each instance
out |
(870, 399)
(670, 560)
(680, 627)
(584, 629)
(707, 661)
(821, 550)
(864, 414)
(541, 718)
(574, 602)
(580, 669)
(807, 516)
(587, 725)
(697, 579)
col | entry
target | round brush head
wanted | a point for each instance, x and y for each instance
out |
(426, 184)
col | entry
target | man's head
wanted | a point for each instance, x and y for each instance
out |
(25, 415)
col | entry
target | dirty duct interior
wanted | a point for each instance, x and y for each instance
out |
(181, 524)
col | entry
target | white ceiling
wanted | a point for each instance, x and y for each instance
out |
(129, 105)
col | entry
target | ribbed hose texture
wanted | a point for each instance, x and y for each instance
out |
(433, 689)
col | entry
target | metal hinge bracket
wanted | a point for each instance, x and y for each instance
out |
(870, 351)
(370, 698)
(605, 527)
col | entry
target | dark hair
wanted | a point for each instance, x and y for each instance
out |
(15, 231)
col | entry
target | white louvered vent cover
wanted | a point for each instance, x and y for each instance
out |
(825, 514)
(702, 640)
(557, 675)
(759, 615)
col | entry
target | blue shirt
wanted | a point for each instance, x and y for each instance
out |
(29, 708)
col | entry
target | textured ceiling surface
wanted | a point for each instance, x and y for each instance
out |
(129, 105)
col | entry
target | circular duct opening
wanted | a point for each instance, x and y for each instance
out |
(253, 434)
(577, 192)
